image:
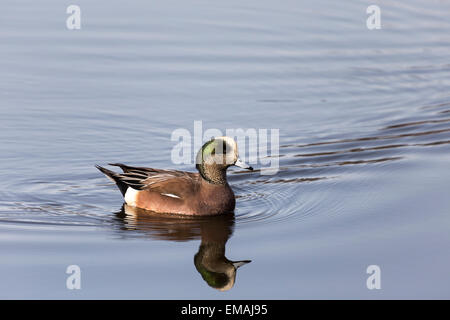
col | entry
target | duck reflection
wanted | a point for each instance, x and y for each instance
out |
(214, 232)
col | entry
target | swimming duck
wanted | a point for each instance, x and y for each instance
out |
(179, 192)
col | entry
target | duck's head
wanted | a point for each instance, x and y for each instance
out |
(216, 156)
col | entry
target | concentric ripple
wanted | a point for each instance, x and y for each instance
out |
(351, 105)
(309, 171)
(307, 175)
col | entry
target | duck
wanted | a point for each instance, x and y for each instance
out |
(201, 193)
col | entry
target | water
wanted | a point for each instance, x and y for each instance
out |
(364, 119)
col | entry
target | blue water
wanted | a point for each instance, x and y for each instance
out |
(364, 122)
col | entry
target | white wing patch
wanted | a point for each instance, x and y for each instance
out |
(171, 195)
(130, 196)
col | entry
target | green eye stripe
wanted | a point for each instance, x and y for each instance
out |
(210, 147)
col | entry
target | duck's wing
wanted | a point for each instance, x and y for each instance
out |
(172, 183)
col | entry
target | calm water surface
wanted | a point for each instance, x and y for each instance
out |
(364, 119)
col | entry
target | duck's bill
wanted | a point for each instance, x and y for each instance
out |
(241, 164)
(238, 264)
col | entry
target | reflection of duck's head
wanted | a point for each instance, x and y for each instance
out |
(214, 232)
(215, 268)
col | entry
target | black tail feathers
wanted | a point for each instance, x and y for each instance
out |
(115, 178)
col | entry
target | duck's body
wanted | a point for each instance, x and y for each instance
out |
(180, 192)
(168, 191)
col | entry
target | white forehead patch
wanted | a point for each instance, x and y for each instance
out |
(231, 149)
